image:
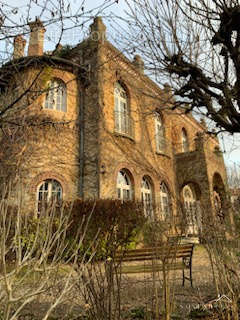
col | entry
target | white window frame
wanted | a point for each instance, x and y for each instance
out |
(56, 96)
(147, 197)
(121, 108)
(189, 199)
(165, 201)
(159, 134)
(192, 210)
(124, 186)
(49, 192)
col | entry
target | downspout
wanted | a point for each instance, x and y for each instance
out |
(81, 138)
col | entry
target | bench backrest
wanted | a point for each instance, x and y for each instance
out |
(171, 252)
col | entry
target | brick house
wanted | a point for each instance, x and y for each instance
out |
(108, 132)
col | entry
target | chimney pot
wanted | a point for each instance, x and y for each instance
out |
(36, 40)
(19, 46)
(138, 63)
(98, 30)
(203, 123)
(167, 87)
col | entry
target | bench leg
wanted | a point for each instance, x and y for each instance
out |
(183, 278)
(191, 275)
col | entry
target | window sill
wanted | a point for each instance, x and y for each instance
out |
(164, 154)
(184, 152)
(53, 110)
(124, 135)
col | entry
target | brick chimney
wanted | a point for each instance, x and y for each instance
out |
(19, 46)
(138, 63)
(167, 88)
(203, 123)
(98, 30)
(36, 41)
(199, 141)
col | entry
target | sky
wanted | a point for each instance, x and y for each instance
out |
(230, 144)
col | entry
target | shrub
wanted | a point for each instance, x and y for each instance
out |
(108, 225)
(154, 232)
(116, 224)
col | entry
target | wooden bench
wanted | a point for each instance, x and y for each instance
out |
(171, 257)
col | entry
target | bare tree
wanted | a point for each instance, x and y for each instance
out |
(194, 45)
(34, 253)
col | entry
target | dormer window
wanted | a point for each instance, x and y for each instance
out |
(56, 96)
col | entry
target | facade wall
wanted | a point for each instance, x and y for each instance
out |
(137, 153)
(82, 149)
(47, 144)
(180, 122)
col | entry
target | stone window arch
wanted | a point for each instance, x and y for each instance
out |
(124, 185)
(147, 196)
(56, 96)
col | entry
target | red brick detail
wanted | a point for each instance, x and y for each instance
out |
(48, 175)
(132, 174)
(123, 83)
(128, 167)
(157, 180)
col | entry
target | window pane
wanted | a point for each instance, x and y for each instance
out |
(123, 186)
(126, 194)
(160, 136)
(147, 197)
(116, 103)
(165, 201)
(59, 98)
(123, 107)
(56, 97)
(49, 190)
(121, 110)
(64, 101)
(119, 193)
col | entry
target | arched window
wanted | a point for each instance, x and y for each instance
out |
(165, 201)
(121, 110)
(146, 193)
(160, 134)
(185, 144)
(56, 96)
(192, 209)
(188, 197)
(124, 186)
(49, 190)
